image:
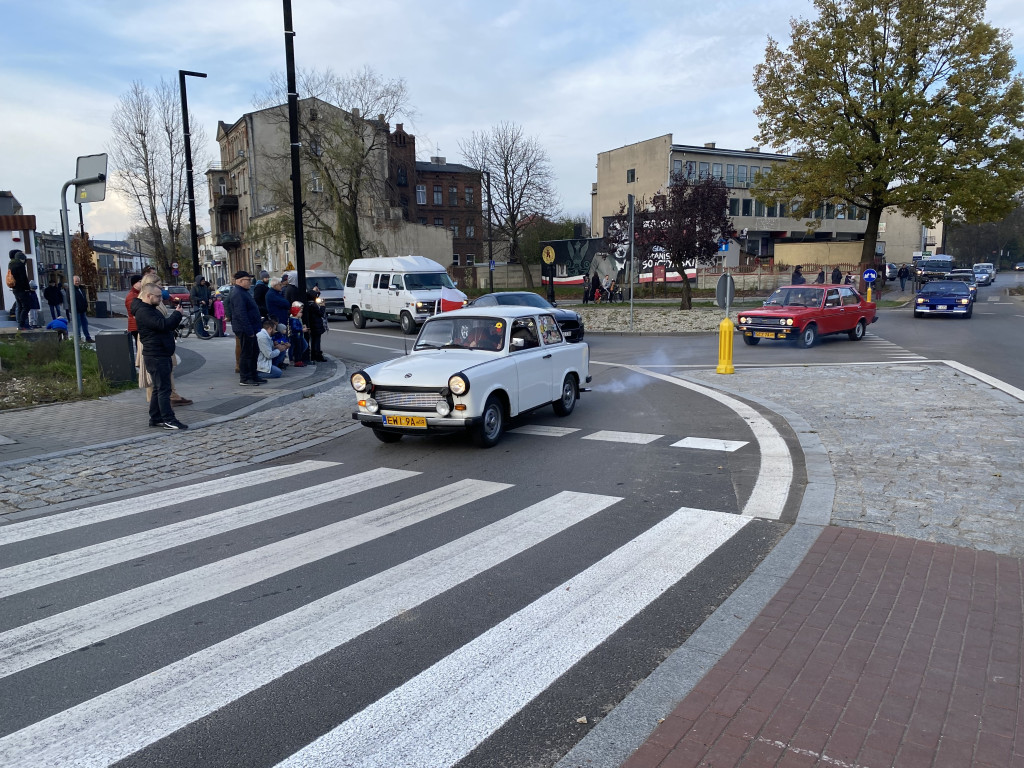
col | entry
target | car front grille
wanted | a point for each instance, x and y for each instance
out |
(413, 400)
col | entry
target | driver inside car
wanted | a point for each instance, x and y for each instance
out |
(489, 337)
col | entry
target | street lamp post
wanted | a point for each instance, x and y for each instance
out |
(182, 73)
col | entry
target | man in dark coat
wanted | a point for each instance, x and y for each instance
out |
(315, 320)
(200, 295)
(246, 323)
(19, 270)
(259, 293)
(55, 298)
(798, 276)
(81, 305)
(156, 333)
(837, 276)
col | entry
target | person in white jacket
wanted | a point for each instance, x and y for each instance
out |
(269, 351)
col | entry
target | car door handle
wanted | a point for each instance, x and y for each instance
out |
(547, 355)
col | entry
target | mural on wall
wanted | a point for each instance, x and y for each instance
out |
(576, 260)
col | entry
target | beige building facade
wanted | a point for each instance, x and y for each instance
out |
(645, 169)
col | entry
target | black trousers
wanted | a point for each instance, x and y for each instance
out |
(159, 370)
(248, 357)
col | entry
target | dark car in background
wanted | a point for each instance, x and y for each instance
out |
(176, 293)
(570, 322)
(968, 277)
(944, 297)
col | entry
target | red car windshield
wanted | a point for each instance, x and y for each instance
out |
(796, 296)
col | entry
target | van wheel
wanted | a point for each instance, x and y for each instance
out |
(357, 318)
(491, 426)
(407, 323)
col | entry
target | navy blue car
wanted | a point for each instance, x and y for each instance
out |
(944, 297)
(570, 322)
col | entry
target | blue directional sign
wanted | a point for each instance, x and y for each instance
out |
(870, 275)
(723, 245)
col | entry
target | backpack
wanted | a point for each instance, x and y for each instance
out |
(10, 280)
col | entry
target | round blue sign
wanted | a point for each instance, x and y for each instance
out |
(870, 275)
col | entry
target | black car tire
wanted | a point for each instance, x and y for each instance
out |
(808, 336)
(750, 341)
(857, 332)
(492, 424)
(570, 393)
(407, 323)
(917, 314)
(969, 313)
(387, 437)
(357, 318)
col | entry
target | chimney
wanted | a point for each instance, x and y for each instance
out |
(398, 128)
(355, 112)
(437, 160)
(709, 145)
(752, 149)
(380, 118)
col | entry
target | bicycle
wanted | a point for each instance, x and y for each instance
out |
(203, 323)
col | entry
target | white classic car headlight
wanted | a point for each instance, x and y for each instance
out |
(458, 384)
(360, 382)
(442, 408)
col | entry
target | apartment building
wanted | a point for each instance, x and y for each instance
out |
(644, 170)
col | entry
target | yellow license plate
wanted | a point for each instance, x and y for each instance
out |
(764, 335)
(405, 421)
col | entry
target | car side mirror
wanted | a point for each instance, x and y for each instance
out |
(518, 343)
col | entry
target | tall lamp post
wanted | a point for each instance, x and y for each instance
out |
(194, 238)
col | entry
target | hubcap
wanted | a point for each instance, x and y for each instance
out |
(491, 421)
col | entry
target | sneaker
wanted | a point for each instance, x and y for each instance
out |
(174, 424)
(299, 364)
(261, 380)
(156, 423)
(248, 383)
(180, 401)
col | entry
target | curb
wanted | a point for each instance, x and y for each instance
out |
(630, 724)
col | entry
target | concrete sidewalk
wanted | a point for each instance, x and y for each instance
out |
(204, 374)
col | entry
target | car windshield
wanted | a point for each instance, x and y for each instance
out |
(176, 289)
(794, 297)
(523, 300)
(937, 265)
(324, 283)
(945, 287)
(428, 281)
(487, 333)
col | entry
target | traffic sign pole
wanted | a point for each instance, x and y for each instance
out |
(870, 276)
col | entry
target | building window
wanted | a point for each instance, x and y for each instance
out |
(730, 175)
(455, 259)
(438, 195)
(741, 175)
(421, 194)
(734, 206)
(470, 259)
(455, 227)
(631, 175)
(782, 210)
(773, 210)
(222, 185)
(314, 182)
(438, 221)
(453, 196)
(830, 211)
(423, 220)
(716, 170)
(758, 208)
(691, 169)
(677, 166)
(840, 211)
(746, 207)
(403, 178)
(704, 169)
(469, 195)
(470, 231)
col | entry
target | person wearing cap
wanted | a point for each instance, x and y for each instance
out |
(277, 304)
(259, 292)
(246, 323)
(55, 298)
(291, 290)
(19, 271)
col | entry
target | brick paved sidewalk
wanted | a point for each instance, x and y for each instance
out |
(879, 651)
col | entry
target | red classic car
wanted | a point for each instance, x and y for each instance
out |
(802, 313)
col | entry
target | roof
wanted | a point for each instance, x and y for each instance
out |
(396, 264)
(425, 167)
(506, 310)
(17, 223)
(727, 152)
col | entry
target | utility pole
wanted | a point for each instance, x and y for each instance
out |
(182, 73)
(293, 136)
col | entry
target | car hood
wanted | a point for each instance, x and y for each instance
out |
(943, 296)
(774, 311)
(430, 368)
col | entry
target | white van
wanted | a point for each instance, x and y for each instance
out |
(332, 291)
(403, 289)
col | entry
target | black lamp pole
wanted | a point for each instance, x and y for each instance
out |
(182, 73)
(293, 137)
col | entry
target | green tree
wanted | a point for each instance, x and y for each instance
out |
(910, 104)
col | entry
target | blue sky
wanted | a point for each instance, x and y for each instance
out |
(583, 77)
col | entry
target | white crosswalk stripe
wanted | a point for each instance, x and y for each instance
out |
(438, 715)
(635, 438)
(889, 349)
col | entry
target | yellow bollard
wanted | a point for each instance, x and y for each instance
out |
(725, 331)
(869, 293)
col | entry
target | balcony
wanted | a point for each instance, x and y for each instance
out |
(226, 202)
(229, 239)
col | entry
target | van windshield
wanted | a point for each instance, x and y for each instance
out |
(428, 281)
(324, 282)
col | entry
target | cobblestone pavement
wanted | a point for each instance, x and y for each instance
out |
(917, 450)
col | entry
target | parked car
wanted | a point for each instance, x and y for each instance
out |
(944, 297)
(570, 322)
(176, 293)
(471, 370)
(802, 313)
(966, 276)
(1019, 266)
(891, 271)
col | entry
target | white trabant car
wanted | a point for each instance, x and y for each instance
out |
(472, 370)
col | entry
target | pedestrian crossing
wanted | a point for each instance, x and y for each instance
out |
(433, 541)
(632, 438)
(889, 350)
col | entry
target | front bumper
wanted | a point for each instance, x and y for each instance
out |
(783, 333)
(951, 309)
(435, 424)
